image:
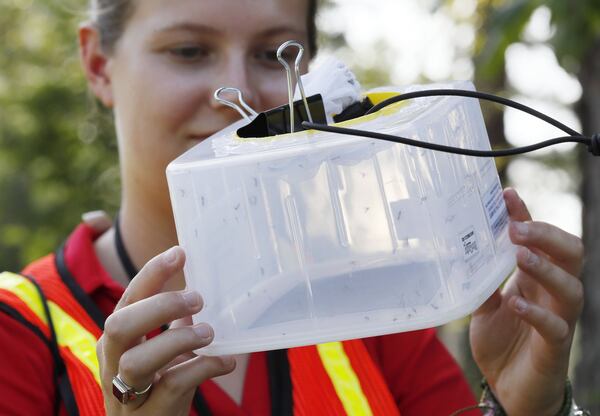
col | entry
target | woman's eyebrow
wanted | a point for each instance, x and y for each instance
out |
(187, 27)
(205, 29)
(278, 30)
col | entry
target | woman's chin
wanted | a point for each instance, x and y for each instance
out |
(194, 140)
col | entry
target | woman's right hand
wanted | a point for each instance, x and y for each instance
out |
(167, 360)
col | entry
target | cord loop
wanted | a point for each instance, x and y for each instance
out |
(594, 146)
(592, 143)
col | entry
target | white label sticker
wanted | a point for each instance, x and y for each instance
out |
(469, 244)
(495, 209)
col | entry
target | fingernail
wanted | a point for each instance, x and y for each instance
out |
(521, 305)
(192, 299)
(517, 195)
(532, 258)
(203, 331)
(171, 255)
(521, 228)
(227, 360)
(94, 215)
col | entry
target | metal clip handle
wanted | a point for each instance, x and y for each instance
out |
(233, 105)
(288, 71)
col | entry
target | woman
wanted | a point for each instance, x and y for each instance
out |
(156, 64)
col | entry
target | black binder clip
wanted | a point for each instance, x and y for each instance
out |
(281, 120)
(278, 120)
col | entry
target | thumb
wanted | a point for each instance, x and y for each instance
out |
(491, 305)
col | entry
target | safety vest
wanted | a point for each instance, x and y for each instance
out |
(337, 378)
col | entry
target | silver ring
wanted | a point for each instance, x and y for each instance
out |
(124, 392)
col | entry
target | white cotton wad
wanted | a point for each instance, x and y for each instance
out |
(335, 82)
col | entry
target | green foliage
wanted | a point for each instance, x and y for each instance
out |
(577, 27)
(576, 24)
(57, 155)
(504, 26)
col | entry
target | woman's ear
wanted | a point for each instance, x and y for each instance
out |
(95, 64)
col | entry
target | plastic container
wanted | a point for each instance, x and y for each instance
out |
(313, 237)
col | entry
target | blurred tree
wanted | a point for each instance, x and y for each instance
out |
(58, 158)
(576, 42)
(587, 381)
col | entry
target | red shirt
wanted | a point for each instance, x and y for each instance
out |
(421, 375)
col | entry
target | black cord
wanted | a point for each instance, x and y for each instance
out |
(442, 148)
(122, 252)
(474, 94)
(592, 143)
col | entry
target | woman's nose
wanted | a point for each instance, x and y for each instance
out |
(233, 98)
(237, 84)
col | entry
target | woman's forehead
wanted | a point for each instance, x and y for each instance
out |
(242, 17)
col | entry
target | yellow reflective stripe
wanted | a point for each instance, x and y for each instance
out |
(344, 379)
(69, 332)
(25, 290)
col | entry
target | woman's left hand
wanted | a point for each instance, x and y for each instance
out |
(521, 337)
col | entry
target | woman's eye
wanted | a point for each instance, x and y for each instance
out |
(269, 57)
(189, 53)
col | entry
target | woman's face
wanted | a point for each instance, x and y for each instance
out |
(171, 58)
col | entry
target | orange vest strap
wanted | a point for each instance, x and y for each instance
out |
(45, 303)
(372, 382)
(46, 274)
(338, 378)
(88, 393)
(313, 392)
(11, 300)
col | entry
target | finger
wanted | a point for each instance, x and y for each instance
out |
(139, 365)
(550, 326)
(563, 247)
(517, 209)
(565, 288)
(185, 321)
(151, 279)
(177, 360)
(134, 321)
(99, 221)
(185, 378)
(126, 327)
